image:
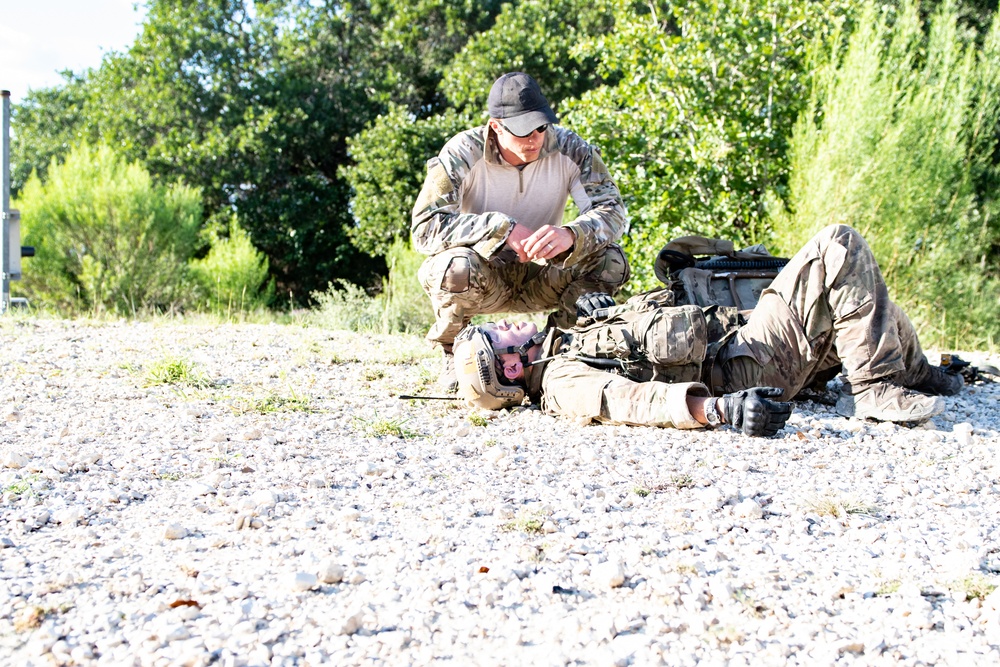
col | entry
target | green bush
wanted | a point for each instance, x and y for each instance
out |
(899, 126)
(695, 130)
(401, 306)
(234, 274)
(106, 237)
(388, 171)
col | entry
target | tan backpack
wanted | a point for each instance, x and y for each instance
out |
(707, 272)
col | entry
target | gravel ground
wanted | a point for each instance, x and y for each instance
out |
(278, 504)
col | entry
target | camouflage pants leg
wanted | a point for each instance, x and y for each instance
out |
(461, 284)
(828, 305)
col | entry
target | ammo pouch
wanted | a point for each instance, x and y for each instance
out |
(707, 272)
(645, 341)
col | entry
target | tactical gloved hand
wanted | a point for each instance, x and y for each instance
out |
(753, 411)
(588, 304)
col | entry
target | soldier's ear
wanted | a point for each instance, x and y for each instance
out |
(513, 370)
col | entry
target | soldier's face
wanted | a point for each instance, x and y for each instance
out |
(505, 334)
(518, 150)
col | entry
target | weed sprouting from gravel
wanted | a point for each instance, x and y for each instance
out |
(526, 522)
(273, 403)
(976, 586)
(839, 507)
(20, 487)
(380, 426)
(175, 371)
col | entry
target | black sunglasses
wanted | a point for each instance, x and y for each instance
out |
(540, 128)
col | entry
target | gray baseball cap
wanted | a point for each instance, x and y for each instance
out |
(516, 99)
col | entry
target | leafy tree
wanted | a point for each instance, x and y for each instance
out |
(45, 126)
(695, 131)
(253, 103)
(540, 37)
(417, 44)
(106, 237)
(388, 172)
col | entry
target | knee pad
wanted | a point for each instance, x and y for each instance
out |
(449, 272)
(613, 270)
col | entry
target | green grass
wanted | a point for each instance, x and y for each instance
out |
(527, 522)
(976, 586)
(273, 403)
(20, 487)
(379, 427)
(175, 371)
(682, 481)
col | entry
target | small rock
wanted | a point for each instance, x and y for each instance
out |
(68, 515)
(331, 572)
(304, 581)
(175, 531)
(609, 574)
(748, 509)
(265, 499)
(15, 460)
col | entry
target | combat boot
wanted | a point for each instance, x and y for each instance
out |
(884, 401)
(448, 381)
(936, 381)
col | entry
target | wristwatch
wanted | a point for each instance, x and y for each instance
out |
(712, 412)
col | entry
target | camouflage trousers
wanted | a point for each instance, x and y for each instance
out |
(829, 306)
(461, 284)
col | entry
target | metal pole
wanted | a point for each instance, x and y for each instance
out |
(5, 211)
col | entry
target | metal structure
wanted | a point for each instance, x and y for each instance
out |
(5, 240)
(11, 250)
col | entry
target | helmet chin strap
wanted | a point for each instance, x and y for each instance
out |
(522, 350)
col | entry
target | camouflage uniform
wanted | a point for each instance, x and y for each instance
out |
(467, 207)
(828, 307)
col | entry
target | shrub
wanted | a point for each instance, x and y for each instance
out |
(400, 307)
(234, 274)
(106, 237)
(895, 137)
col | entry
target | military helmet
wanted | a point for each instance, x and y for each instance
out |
(478, 372)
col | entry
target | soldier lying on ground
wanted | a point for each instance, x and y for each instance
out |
(654, 365)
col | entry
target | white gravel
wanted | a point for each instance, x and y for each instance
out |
(196, 525)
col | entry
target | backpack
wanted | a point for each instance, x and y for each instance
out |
(710, 272)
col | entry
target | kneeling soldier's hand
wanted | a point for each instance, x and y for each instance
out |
(753, 411)
(588, 304)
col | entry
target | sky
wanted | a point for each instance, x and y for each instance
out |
(40, 38)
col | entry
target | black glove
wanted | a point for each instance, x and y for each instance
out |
(588, 304)
(753, 411)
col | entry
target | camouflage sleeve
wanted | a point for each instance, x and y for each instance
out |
(436, 223)
(603, 219)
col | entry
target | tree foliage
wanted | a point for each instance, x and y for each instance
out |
(233, 275)
(387, 171)
(695, 131)
(899, 133)
(311, 120)
(106, 237)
